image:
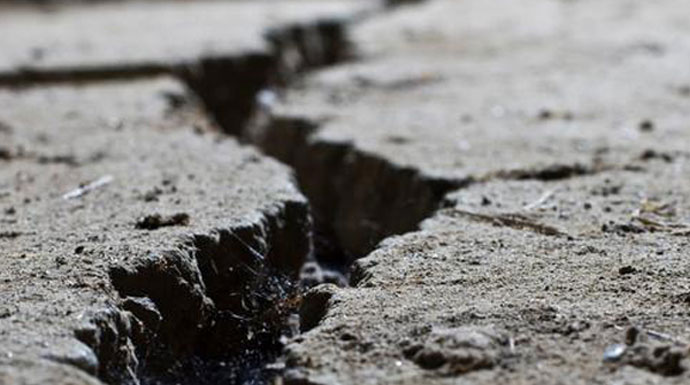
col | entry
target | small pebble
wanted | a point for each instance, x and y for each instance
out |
(646, 126)
(614, 352)
(631, 335)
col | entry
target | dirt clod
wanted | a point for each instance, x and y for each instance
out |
(459, 350)
(156, 221)
(626, 270)
(663, 359)
(646, 126)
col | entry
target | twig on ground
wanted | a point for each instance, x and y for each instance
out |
(98, 183)
(539, 202)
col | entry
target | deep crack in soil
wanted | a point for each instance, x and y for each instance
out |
(254, 296)
(357, 199)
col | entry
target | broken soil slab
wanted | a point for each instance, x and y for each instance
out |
(519, 90)
(453, 91)
(648, 201)
(464, 301)
(529, 90)
(231, 231)
(225, 50)
(127, 36)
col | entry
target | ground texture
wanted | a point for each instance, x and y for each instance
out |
(503, 184)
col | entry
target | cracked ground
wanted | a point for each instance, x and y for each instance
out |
(344, 192)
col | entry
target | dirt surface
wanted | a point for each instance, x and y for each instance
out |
(567, 122)
(111, 191)
(226, 51)
(506, 183)
(139, 243)
(518, 293)
(510, 90)
(143, 36)
(523, 91)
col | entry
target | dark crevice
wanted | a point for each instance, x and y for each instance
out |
(213, 308)
(358, 199)
(229, 87)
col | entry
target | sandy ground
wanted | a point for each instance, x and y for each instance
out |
(108, 189)
(562, 257)
(506, 180)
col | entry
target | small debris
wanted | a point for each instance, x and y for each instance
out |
(459, 350)
(156, 221)
(607, 190)
(646, 126)
(650, 154)
(66, 159)
(631, 335)
(98, 183)
(9, 234)
(653, 216)
(175, 99)
(663, 356)
(660, 209)
(275, 366)
(152, 195)
(60, 260)
(614, 352)
(661, 359)
(621, 228)
(515, 221)
(626, 270)
(545, 114)
(540, 202)
(5, 153)
(267, 99)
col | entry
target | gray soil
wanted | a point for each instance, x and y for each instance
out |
(504, 185)
(559, 254)
(177, 207)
